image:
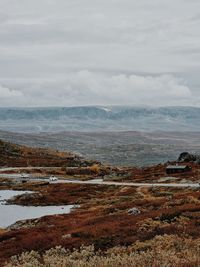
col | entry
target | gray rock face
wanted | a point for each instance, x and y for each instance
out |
(187, 157)
(134, 211)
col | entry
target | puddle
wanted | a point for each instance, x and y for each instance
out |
(10, 214)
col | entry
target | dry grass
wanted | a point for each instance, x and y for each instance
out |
(2, 231)
(162, 251)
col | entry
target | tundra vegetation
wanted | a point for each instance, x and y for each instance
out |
(166, 250)
(102, 230)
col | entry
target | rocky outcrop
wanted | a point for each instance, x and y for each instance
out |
(23, 224)
(187, 157)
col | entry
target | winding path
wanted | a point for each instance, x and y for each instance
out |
(92, 182)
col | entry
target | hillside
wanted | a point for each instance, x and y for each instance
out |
(12, 155)
(114, 118)
(114, 148)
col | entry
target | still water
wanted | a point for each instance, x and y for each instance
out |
(9, 214)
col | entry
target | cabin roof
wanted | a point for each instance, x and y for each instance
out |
(177, 167)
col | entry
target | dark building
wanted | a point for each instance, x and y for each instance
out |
(172, 169)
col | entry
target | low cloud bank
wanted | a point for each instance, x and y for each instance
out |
(91, 88)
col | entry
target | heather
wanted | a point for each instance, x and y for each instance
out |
(162, 251)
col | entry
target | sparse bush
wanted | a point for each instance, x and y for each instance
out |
(167, 250)
(95, 168)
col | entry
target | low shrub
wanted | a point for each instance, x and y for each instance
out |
(167, 250)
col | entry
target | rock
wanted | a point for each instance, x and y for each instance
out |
(66, 236)
(187, 157)
(134, 211)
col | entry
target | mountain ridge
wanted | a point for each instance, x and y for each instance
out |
(100, 118)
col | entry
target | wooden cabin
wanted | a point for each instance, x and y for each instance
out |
(173, 169)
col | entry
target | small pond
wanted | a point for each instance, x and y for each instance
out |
(9, 214)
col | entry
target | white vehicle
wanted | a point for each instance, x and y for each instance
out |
(53, 178)
(24, 176)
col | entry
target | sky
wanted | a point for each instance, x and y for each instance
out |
(99, 52)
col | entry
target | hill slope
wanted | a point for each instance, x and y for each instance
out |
(12, 155)
(99, 119)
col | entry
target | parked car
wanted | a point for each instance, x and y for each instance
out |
(53, 178)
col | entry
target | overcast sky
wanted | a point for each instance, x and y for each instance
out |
(99, 52)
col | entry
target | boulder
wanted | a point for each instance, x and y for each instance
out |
(134, 211)
(187, 157)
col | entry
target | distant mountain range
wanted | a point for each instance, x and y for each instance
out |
(92, 118)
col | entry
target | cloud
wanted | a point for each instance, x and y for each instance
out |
(91, 88)
(6, 93)
(133, 51)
